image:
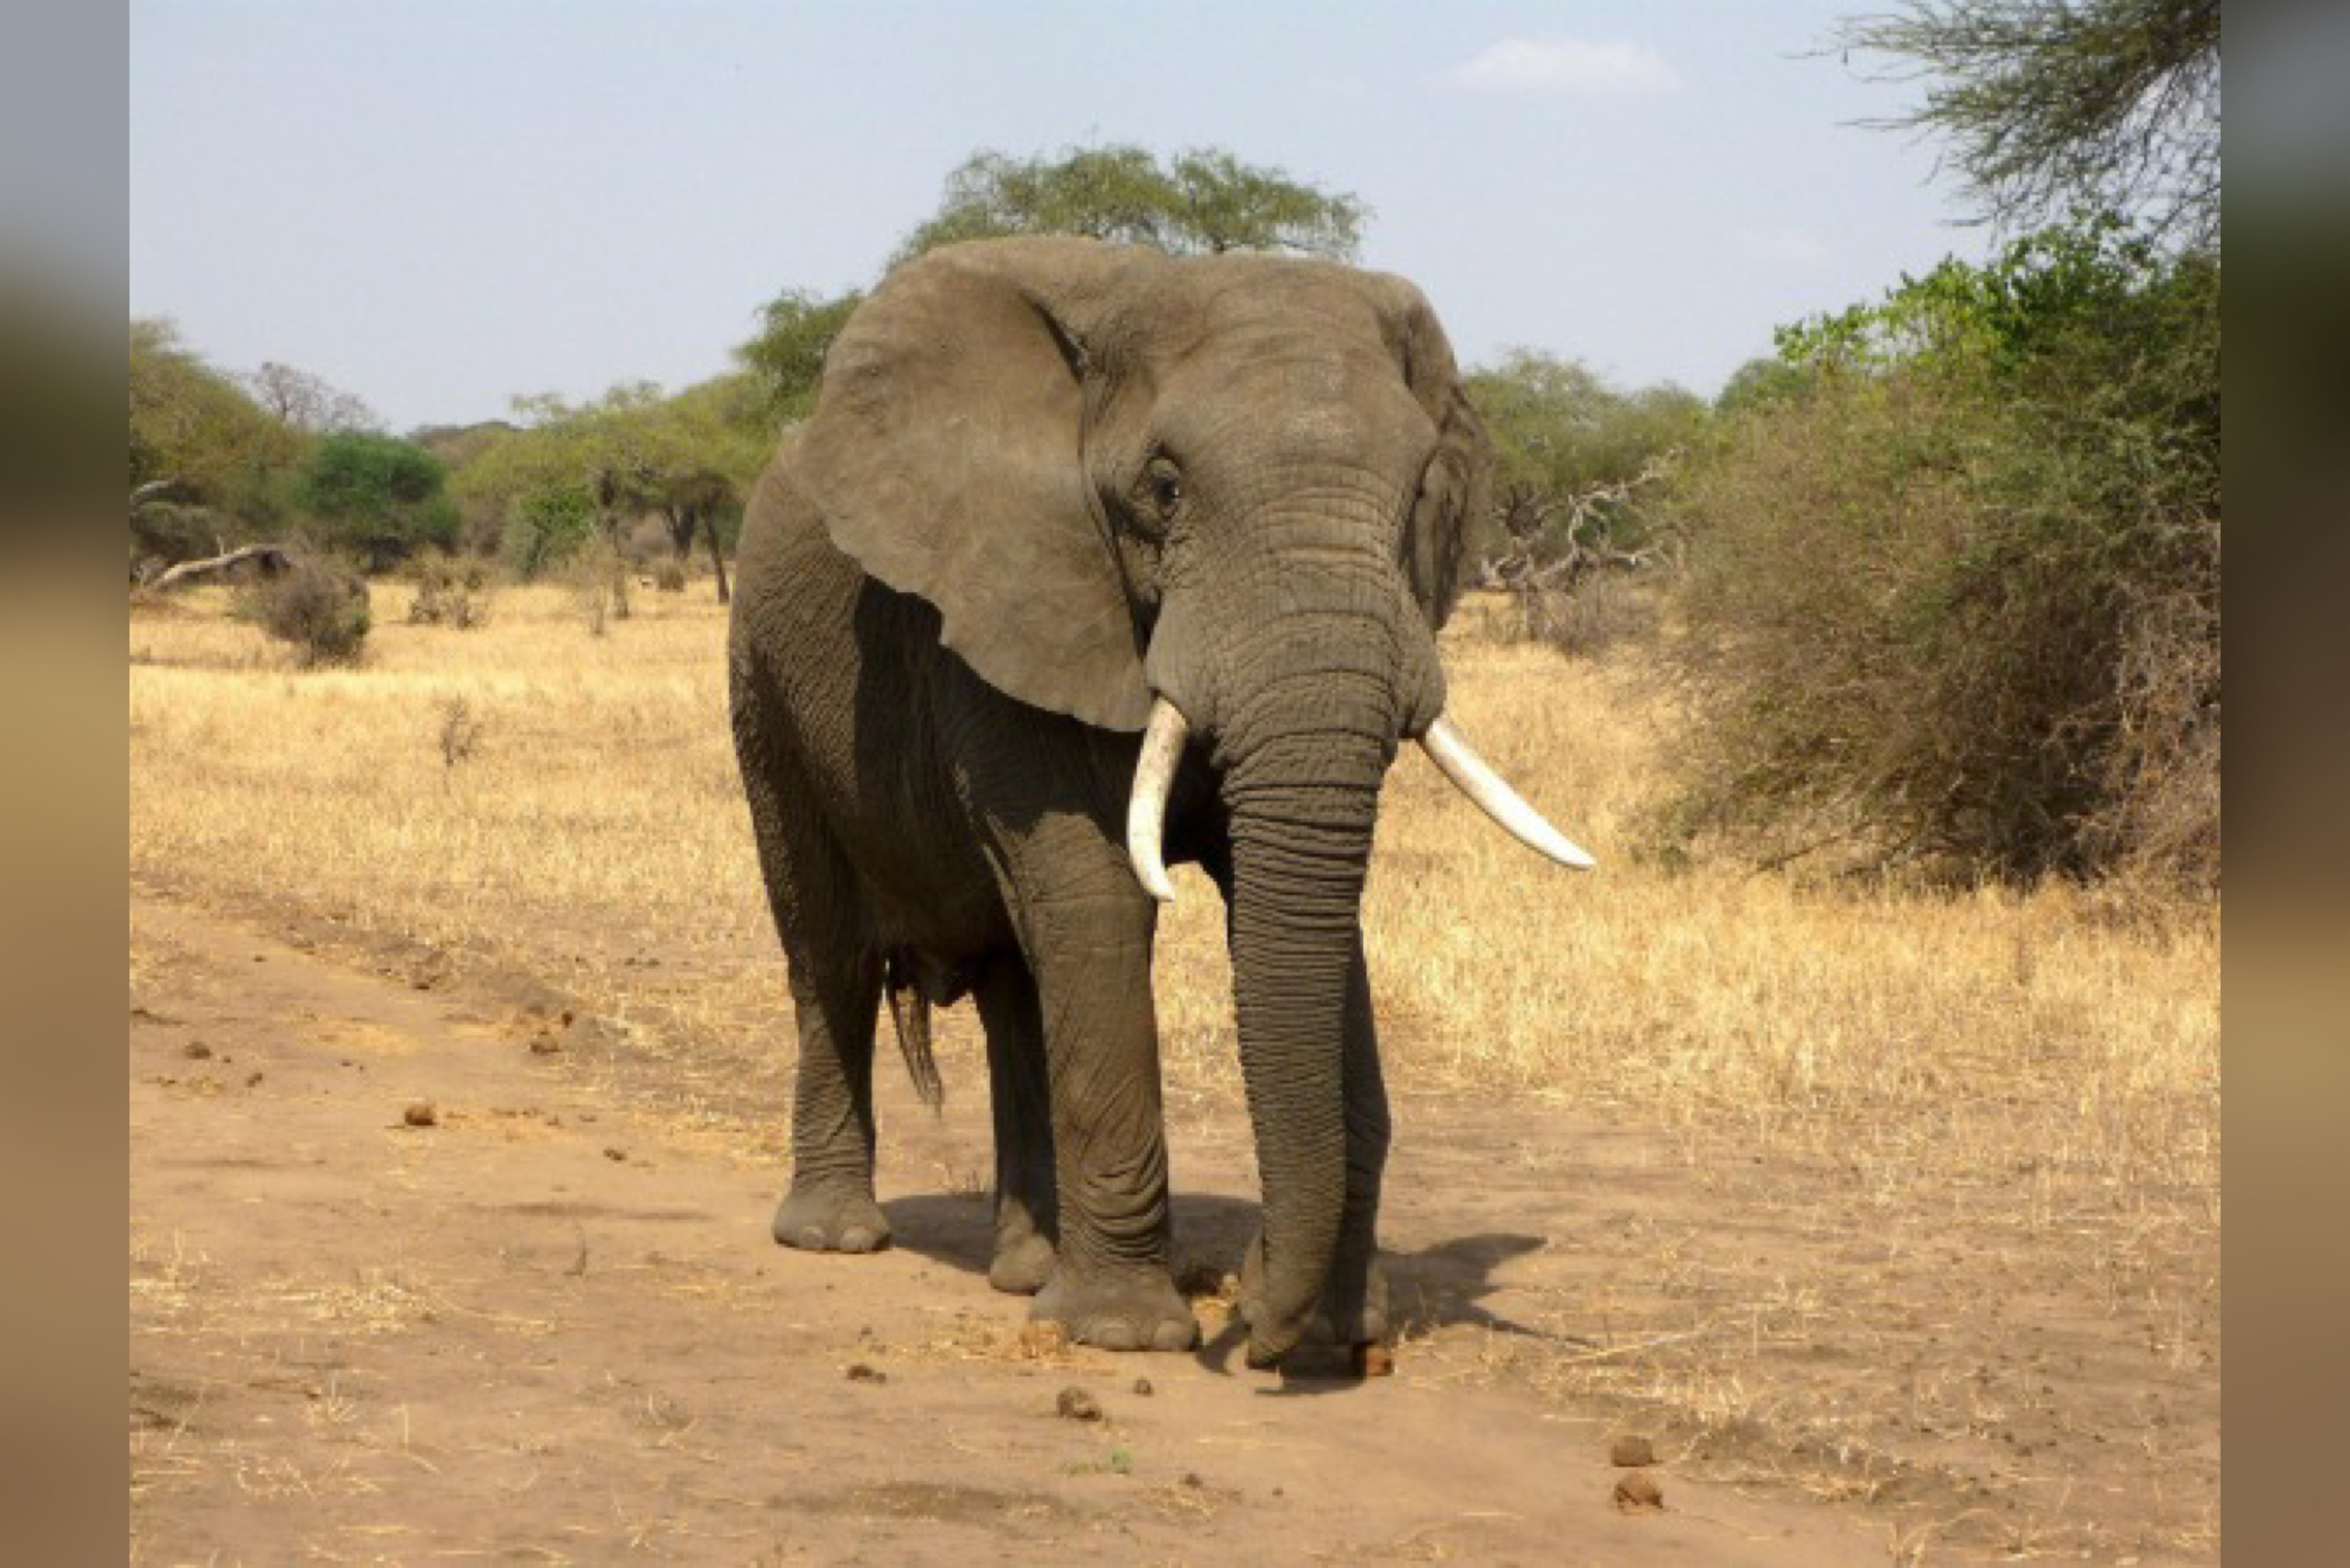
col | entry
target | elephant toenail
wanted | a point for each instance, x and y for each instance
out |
(1174, 1335)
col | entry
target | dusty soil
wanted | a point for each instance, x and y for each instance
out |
(548, 1322)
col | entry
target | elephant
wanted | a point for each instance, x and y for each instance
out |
(1089, 560)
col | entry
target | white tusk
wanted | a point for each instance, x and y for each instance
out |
(1475, 778)
(1146, 808)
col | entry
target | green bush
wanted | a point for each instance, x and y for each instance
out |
(547, 528)
(318, 605)
(377, 496)
(1954, 601)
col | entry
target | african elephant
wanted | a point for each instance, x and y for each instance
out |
(1090, 559)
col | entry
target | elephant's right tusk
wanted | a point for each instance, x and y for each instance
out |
(1475, 778)
(1146, 809)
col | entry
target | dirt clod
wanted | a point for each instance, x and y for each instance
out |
(421, 1114)
(615, 1152)
(1638, 1493)
(1142, 1386)
(1076, 1404)
(197, 1051)
(858, 1372)
(1632, 1452)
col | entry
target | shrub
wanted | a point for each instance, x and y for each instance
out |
(318, 605)
(447, 596)
(1956, 602)
(1585, 620)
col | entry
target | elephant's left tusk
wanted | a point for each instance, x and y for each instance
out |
(1475, 778)
(1146, 809)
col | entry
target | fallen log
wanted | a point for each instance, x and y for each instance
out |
(271, 559)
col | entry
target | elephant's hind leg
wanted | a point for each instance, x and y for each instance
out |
(1026, 1221)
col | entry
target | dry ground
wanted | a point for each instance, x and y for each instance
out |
(1898, 1214)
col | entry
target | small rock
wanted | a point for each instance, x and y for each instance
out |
(1076, 1404)
(197, 1051)
(1638, 1493)
(615, 1152)
(1192, 1479)
(421, 1115)
(1142, 1386)
(1374, 1361)
(860, 1373)
(1632, 1452)
(251, 1079)
(545, 1045)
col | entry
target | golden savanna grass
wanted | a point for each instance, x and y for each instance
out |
(2035, 1071)
(599, 822)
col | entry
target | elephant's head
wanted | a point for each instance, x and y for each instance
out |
(1223, 500)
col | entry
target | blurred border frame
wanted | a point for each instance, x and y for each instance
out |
(63, 1160)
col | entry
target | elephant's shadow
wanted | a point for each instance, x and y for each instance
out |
(1436, 1287)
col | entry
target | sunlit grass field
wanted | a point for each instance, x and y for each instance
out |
(566, 802)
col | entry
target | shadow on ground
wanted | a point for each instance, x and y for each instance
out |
(1440, 1286)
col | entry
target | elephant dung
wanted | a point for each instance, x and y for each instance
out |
(1637, 1492)
(1632, 1452)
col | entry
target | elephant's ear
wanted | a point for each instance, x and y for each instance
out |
(1456, 486)
(944, 457)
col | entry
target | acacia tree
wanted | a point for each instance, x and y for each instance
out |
(308, 403)
(205, 458)
(580, 470)
(1202, 200)
(2054, 105)
(786, 359)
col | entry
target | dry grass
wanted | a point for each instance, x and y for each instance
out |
(594, 833)
(2033, 1076)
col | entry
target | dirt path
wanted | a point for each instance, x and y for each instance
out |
(550, 1325)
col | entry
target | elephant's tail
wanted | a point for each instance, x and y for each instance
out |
(910, 1011)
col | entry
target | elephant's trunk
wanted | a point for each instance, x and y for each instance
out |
(1309, 713)
(1301, 810)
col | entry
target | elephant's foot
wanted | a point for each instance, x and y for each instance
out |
(1134, 1309)
(831, 1217)
(1352, 1311)
(1023, 1263)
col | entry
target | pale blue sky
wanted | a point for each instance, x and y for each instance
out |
(439, 205)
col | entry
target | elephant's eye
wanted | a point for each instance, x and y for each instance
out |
(1161, 495)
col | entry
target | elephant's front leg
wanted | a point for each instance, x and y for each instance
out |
(1087, 930)
(831, 1207)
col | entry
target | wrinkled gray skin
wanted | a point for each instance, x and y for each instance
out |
(1047, 480)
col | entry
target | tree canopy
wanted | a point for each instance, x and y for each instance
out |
(690, 457)
(1200, 200)
(2055, 105)
(194, 426)
(377, 494)
(786, 359)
